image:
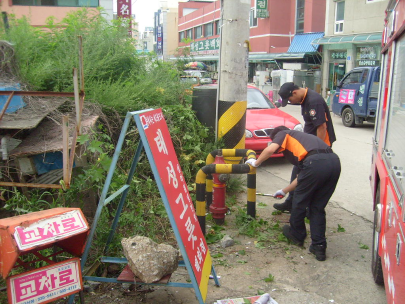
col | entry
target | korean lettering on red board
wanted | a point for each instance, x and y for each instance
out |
(185, 217)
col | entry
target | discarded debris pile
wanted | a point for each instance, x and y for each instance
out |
(32, 138)
(39, 130)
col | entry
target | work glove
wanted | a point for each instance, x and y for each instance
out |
(251, 162)
(279, 194)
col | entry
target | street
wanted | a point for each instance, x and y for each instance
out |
(296, 276)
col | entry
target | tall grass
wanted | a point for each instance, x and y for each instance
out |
(120, 80)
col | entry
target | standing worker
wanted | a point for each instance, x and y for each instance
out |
(319, 171)
(317, 120)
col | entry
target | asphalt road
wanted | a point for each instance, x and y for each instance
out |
(354, 146)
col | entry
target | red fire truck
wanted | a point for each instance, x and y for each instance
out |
(388, 160)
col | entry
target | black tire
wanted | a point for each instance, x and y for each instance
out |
(348, 118)
(376, 266)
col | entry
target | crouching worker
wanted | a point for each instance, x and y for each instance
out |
(314, 185)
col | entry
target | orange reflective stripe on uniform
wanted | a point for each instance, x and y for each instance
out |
(294, 146)
(305, 95)
(326, 140)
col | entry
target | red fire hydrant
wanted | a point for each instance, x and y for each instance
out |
(218, 208)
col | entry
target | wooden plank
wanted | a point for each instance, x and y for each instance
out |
(72, 155)
(77, 101)
(40, 93)
(30, 185)
(65, 144)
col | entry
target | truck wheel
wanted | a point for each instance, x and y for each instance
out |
(348, 118)
(376, 266)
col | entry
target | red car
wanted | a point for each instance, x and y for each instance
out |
(262, 116)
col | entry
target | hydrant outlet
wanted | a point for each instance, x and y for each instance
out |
(223, 178)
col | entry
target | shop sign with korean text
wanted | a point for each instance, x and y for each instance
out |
(159, 38)
(124, 8)
(204, 47)
(175, 195)
(338, 55)
(49, 230)
(45, 284)
(261, 9)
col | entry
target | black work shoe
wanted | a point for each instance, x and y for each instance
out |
(290, 237)
(283, 207)
(319, 251)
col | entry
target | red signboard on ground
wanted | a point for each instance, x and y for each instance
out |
(173, 187)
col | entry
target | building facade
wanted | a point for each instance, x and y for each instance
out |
(273, 26)
(165, 28)
(146, 42)
(353, 31)
(39, 10)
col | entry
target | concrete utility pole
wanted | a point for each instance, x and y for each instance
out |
(233, 73)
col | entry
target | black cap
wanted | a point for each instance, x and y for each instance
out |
(286, 91)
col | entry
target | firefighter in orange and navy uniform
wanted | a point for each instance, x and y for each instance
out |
(318, 122)
(319, 171)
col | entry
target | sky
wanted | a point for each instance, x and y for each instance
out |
(144, 10)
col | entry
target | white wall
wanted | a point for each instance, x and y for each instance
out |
(108, 6)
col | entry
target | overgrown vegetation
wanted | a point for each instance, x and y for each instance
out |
(119, 80)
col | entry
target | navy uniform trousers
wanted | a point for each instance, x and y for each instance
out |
(317, 179)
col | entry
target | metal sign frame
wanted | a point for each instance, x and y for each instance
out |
(199, 281)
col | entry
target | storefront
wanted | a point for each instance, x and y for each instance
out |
(337, 67)
(341, 54)
(368, 55)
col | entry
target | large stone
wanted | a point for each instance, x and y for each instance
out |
(227, 241)
(148, 260)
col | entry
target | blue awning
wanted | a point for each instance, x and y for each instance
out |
(359, 38)
(302, 43)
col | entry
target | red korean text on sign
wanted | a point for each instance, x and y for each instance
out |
(176, 190)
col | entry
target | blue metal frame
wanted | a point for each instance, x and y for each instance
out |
(104, 200)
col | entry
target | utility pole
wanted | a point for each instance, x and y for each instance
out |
(233, 73)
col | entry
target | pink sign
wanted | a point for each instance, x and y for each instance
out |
(347, 96)
(49, 230)
(175, 187)
(45, 284)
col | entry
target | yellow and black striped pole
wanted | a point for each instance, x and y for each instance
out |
(232, 123)
(204, 181)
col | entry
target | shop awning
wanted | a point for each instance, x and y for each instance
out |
(302, 43)
(254, 57)
(359, 38)
(275, 56)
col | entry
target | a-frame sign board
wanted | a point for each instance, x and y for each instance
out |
(156, 140)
